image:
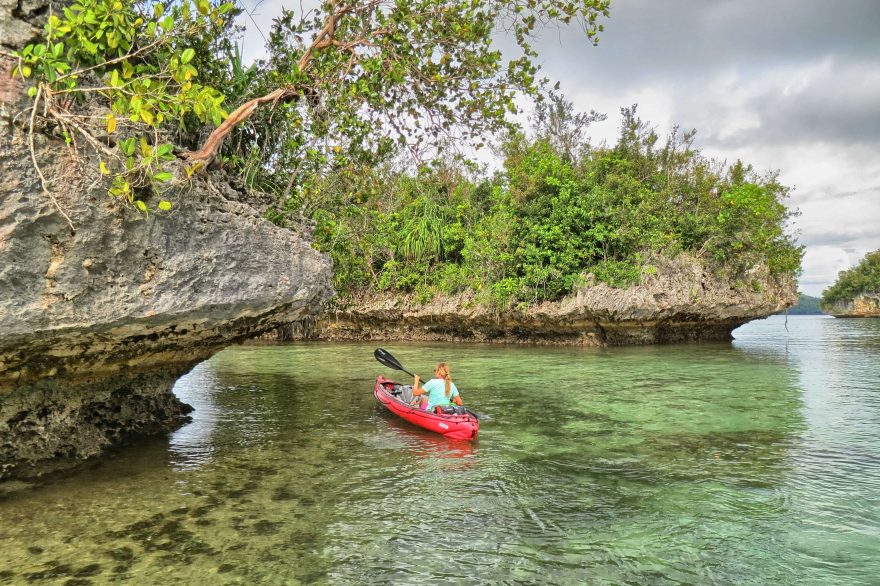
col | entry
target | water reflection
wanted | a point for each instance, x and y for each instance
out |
(397, 434)
(835, 459)
(192, 445)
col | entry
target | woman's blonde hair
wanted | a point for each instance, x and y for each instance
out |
(442, 371)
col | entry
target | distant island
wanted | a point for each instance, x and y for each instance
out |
(806, 305)
(857, 290)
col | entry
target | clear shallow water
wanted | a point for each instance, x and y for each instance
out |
(750, 463)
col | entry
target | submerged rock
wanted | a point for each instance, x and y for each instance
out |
(864, 305)
(683, 301)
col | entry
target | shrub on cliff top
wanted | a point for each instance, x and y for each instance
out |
(558, 211)
(142, 62)
(862, 278)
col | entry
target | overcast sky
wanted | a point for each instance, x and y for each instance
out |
(792, 85)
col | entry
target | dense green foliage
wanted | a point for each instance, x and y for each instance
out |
(419, 76)
(141, 60)
(863, 278)
(345, 81)
(537, 229)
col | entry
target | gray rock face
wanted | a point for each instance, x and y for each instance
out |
(682, 302)
(56, 423)
(128, 292)
(96, 325)
(19, 21)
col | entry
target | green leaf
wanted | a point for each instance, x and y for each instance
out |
(163, 176)
(140, 205)
(89, 46)
(187, 56)
(164, 205)
(127, 146)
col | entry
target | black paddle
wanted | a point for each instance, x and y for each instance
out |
(387, 359)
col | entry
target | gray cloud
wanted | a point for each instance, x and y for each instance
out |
(800, 69)
(838, 195)
(832, 104)
(649, 41)
(841, 238)
(790, 84)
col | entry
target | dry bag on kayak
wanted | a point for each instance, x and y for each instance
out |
(402, 392)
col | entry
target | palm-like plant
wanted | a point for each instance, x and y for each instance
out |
(422, 229)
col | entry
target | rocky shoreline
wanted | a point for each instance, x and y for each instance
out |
(97, 325)
(865, 305)
(54, 424)
(683, 301)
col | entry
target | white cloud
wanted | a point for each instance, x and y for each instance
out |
(257, 19)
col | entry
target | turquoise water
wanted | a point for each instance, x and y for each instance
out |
(756, 462)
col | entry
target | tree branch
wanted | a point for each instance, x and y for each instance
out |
(43, 183)
(323, 39)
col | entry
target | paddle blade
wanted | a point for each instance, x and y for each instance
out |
(385, 358)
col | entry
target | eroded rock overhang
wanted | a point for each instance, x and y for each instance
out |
(98, 322)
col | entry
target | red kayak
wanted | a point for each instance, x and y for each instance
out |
(454, 426)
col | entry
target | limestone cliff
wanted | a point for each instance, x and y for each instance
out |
(683, 301)
(864, 305)
(97, 323)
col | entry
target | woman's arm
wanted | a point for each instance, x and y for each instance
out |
(416, 389)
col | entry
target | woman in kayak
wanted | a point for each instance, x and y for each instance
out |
(437, 392)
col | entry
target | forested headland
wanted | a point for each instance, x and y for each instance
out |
(806, 305)
(560, 209)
